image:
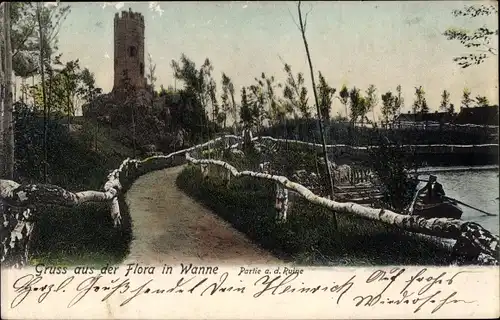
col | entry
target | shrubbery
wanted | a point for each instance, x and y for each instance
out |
(77, 235)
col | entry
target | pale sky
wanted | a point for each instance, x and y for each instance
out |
(352, 43)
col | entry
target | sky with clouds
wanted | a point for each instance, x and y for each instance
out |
(352, 43)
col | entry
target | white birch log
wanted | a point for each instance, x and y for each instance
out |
(412, 147)
(281, 202)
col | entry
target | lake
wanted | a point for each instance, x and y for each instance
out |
(479, 189)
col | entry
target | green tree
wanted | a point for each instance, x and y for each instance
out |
(357, 105)
(399, 102)
(246, 115)
(388, 102)
(276, 112)
(196, 91)
(25, 43)
(295, 93)
(72, 83)
(8, 145)
(445, 101)
(257, 98)
(466, 98)
(225, 102)
(478, 41)
(49, 21)
(89, 92)
(451, 109)
(325, 95)
(151, 76)
(482, 101)
(371, 100)
(420, 103)
(234, 106)
(217, 117)
(344, 98)
(229, 106)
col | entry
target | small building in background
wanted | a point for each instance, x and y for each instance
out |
(487, 115)
(479, 116)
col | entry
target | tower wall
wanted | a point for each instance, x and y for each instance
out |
(129, 49)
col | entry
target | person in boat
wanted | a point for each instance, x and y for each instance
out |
(435, 191)
(438, 191)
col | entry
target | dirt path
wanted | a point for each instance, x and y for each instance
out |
(169, 226)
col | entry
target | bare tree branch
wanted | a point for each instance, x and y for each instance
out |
(293, 19)
(318, 110)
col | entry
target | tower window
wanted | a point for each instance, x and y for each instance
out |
(132, 51)
(116, 62)
(142, 69)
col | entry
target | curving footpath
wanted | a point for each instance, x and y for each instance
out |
(170, 227)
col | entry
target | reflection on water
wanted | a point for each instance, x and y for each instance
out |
(479, 189)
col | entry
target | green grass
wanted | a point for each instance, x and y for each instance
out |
(81, 235)
(307, 237)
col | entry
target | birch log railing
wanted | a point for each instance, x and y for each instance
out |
(424, 148)
(18, 203)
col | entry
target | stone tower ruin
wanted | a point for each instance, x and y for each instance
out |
(129, 49)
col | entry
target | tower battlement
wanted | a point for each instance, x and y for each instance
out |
(129, 15)
(129, 49)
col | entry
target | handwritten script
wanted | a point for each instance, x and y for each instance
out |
(423, 289)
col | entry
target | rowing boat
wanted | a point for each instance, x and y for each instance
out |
(441, 207)
(444, 209)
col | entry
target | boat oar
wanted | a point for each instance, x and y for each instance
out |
(467, 205)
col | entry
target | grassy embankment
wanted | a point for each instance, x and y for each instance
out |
(308, 237)
(83, 234)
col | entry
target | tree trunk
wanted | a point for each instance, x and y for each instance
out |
(8, 123)
(50, 92)
(235, 110)
(33, 84)
(2, 92)
(44, 93)
(133, 132)
(69, 111)
(320, 120)
(96, 132)
(23, 90)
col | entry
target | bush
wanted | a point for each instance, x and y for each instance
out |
(78, 235)
(81, 235)
(392, 167)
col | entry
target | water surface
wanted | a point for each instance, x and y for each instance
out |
(479, 189)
